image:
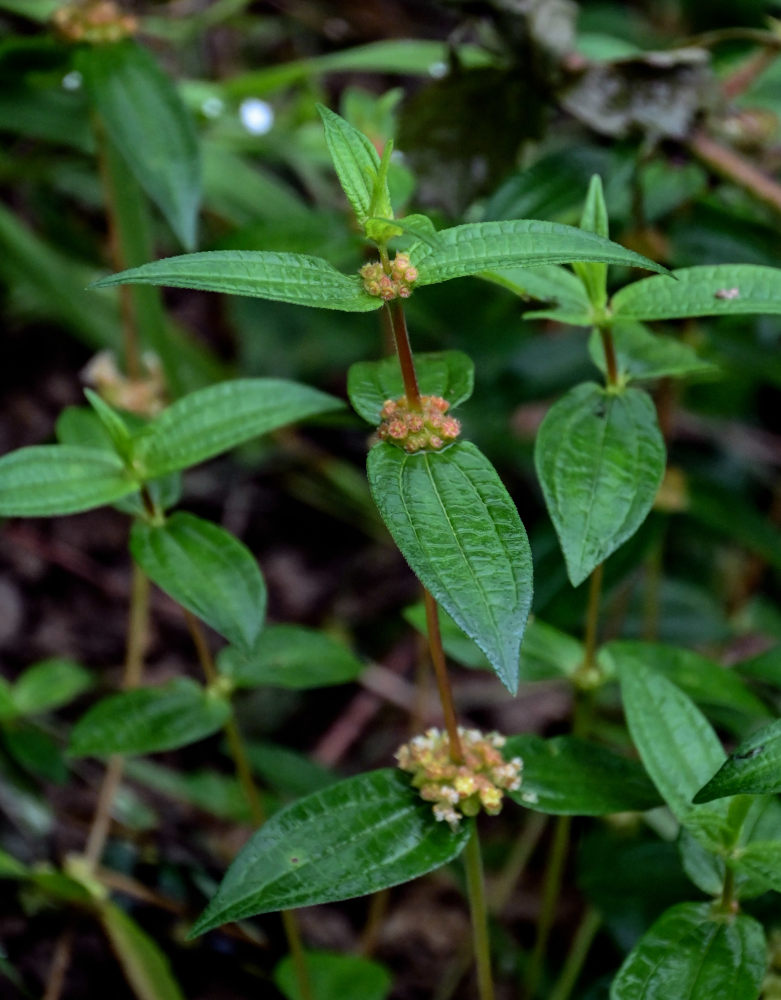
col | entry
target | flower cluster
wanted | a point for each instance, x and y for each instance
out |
(397, 284)
(144, 395)
(414, 430)
(96, 21)
(460, 789)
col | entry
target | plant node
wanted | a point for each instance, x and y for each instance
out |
(457, 790)
(413, 430)
(395, 282)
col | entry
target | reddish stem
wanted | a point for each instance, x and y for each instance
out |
(404, 352)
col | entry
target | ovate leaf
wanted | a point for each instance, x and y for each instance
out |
(284, 277)
(485, 246)
(569, 776)
(458, 529)
(678, 747)
(207, 570)
(753, 768)
(291, 656)
(440, 373)
(46, 480)
(644, 356)
(150, 126)
(711, 290)
(48, 685)
(363, 834)
(691, 953)
(212, 420)
(145, 966)
(355, 160)
(335, 977)
(600, 459)
(594, 220)
(149, 720)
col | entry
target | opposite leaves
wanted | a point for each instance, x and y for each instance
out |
(600, 459)
(458, 529)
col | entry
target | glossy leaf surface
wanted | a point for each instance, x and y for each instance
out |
(710, 290)
(485, 246)
(753, 768)
(569, 776)
(291, 656)
(149, 720)
(212, 420)
(440, 373)
(691, 954)
(206, 570)
(361, 835)
(458, 529)
(47, 480)
(283, 277)
(600, 458)
(143, 114)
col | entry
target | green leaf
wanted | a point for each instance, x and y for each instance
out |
(711, 290)
(692, 953)
(115, 427)
(217, 794)
(594, 220)
(367, 833)
(291, 656)
(643, 356)
(569, 776)
(146, 120)
(47, 480)
(678, 747)
(600, 458)
(149, 720)
(48, 685)
(547, 283)
(485, 246)
(206, 570)
(287, 772)
(145, 966)
(761, 860)
(355, 160)
(458, 529)
(702, 679)
(35, 751)
(335, 977)
(262, 274)
(753, 768)
(10, 867)
(440, 373)
(220, 417)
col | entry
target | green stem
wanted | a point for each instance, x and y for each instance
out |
(591, 632)
(728, 903)
(404, 352)
(610, 354)
(443, 681)
(550, 895)
(573, 964)
(520, 853)
(238, 753)
(479, 912)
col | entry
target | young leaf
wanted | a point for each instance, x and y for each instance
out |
(761, 862)
(569, 776)
(485, 246)
(458, 529)
(283, 277)
(678, 747)
(147, 121)
(710, 290)
(753, 768)
(215, 419)
(547, 283)
(355, 160)
(48, 685)
(367, 833)
(115, 427)
(594, 220)
(691, 953)
(335, 977)
(208, 571)
(291, 656)
(145, 966)
(600, 459)
(46, 480)
(440, 373)
(149, 720)
(644, 356)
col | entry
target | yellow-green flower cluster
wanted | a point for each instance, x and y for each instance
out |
(393, 284)
(463, 789)
(415, 430)
(98, 22)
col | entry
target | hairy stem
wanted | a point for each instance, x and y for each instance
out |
(573, 964)
(479, 912)
(404, 352)
(443, 681)
(550, 897)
